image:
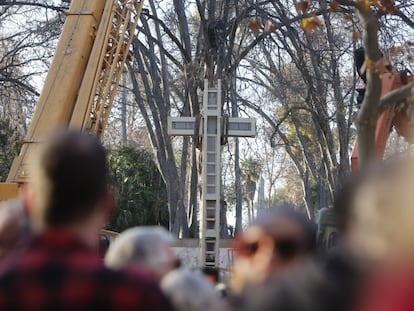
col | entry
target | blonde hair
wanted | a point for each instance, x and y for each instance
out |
(382, 214)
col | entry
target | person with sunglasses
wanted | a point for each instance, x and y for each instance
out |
(279, 241)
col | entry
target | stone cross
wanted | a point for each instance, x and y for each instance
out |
(212, 127)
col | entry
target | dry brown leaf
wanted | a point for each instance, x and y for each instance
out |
(348, 17)
(356, 35)
(388, 6)
(254, 25)
(334, 6)
(310, 24)
(366, 3)
(302, 7)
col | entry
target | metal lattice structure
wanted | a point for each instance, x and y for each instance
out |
(83, 78)
(112, 47)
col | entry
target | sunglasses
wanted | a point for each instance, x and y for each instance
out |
(286, 248)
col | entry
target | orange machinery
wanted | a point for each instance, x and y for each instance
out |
(83, 78)
(399, 118)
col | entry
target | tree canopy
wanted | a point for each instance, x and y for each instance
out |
(140, 191)
(288, 63)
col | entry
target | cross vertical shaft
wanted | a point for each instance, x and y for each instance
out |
(212, 127)
(211, 176)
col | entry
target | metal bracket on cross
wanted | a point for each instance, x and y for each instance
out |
(211, 130)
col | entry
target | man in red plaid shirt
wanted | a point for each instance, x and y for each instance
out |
(59, 268)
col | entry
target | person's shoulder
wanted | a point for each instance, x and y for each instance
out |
(136, 276)
(135, 287)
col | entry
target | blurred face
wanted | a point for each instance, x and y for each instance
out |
(262, 253)
(9, 226)
(168, 261)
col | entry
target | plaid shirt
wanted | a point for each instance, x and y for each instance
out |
(56, 272)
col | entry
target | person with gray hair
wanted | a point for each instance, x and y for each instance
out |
(189, 290)
(14, 226)
(148, 247)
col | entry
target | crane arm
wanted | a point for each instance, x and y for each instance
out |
(103, 74)
(83, 77)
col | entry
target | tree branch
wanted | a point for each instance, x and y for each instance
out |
(405, 18)
(26, 3)
(396, 96)
(22, 85)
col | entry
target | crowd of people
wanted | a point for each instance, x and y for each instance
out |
(51, 256)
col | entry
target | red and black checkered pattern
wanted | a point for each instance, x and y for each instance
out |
(56, 272)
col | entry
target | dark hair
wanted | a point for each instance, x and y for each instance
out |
(73, 166)
(308, 227)
(359, 55)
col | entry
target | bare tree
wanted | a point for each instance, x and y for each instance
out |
(29, 31)
(170, 66)
(373, 21)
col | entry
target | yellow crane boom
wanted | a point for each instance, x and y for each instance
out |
(83, 77)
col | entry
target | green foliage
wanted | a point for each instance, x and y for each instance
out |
(141, 192)
(10, 143)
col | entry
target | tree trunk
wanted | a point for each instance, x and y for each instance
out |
(238, 188)
(307, 191)
(193, 203)
(368, 113)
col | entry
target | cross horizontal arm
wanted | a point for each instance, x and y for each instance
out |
(237, 127)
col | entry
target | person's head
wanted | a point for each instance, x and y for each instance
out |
(189, 290)
(148, 247)
(381, 214)
(13, 226)
(279, 240)
(69, 182)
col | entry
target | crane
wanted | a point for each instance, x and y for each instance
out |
(83, 78)
(397, 116)
(392, 116)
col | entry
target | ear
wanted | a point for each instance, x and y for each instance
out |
(265, 250)
(261, 260)
(27, 196)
